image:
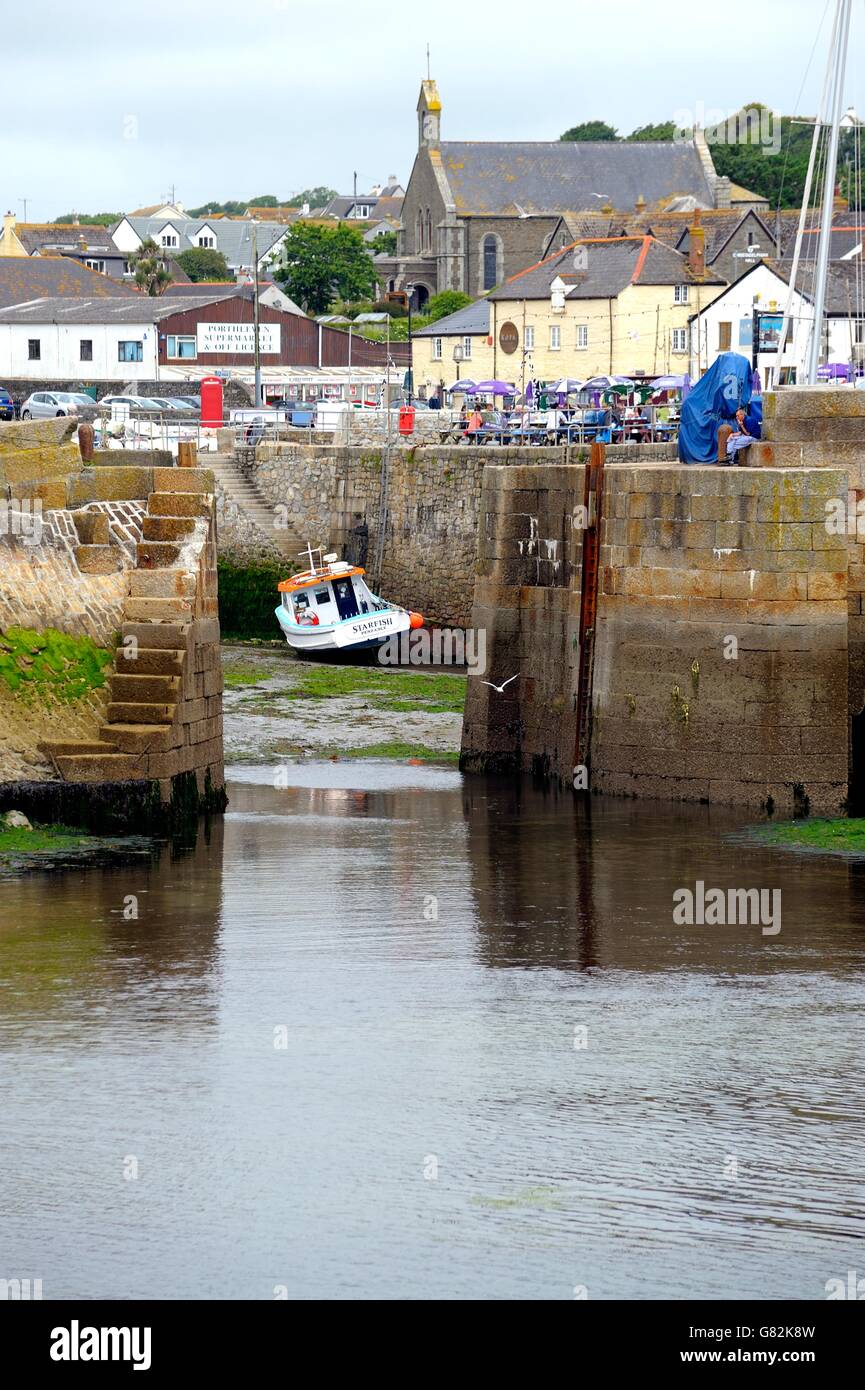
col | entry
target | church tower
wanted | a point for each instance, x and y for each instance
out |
(429, 114)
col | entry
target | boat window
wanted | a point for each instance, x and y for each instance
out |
(322, 595)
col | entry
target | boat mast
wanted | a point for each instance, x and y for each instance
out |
(842, 37)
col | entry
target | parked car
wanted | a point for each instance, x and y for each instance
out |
(181, 403)
(134, 402)
(42, 404)
(7, 405)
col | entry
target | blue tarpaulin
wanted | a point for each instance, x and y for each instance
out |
(712, 402)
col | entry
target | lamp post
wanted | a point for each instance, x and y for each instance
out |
(410, 289)
(256, 316)
(458, 357)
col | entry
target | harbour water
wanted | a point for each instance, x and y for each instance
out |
(390, 1032)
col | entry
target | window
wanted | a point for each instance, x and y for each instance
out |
(126, 268)
(206, 241)
(858, 332)
(130, 351)
(181, 347)
(360, 211)
(681, 294)
(529, 337)
(555, 337)
(582, 335)
(680, 340)
(96, 265)
(428, 230)
(168, 239)
(34, 350)
(467, 349)
(437, 349)
(490, 258)
(85, 350)
(725, 336)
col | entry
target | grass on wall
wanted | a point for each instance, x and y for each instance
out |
(51, 663)
(247, 598)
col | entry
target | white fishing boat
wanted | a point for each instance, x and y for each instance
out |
(330, 608)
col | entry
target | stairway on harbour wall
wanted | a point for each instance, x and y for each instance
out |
(164, 716)
(240, 490)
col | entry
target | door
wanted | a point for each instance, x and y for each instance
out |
(345, 598)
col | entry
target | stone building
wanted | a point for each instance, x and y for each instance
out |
(476, 212)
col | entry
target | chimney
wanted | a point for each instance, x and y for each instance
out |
(640, 205)
(8, 222)
(697, 247)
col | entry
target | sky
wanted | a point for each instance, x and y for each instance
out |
(108, 110)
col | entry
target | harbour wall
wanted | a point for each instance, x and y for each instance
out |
(722, 635)
(432, 514)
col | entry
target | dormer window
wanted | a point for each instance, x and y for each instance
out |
(206, 241)
(168, 239)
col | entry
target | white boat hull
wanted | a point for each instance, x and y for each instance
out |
(366, 630)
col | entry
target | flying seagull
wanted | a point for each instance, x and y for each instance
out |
(500, 689)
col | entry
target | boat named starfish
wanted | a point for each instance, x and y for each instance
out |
(329, 608)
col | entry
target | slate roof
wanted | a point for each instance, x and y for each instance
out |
(841, 283)
(669, 227)
(144, 309)
(612, 264)
(28, 277)
(546, 176)
(474, 318)
(60, 237)
(233, 234)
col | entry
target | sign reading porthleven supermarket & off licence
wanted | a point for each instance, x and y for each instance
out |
(237, 337)
(509, 338)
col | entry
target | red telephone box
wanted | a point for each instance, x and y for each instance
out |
(211, 403)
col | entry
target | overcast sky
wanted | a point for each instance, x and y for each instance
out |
(104, 108)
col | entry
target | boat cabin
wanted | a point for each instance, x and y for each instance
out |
(334, 594)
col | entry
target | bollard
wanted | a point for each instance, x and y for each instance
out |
(85, 441)
(186, 454)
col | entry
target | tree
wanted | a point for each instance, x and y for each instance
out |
(231, 209)
(323, 263)
(88, 219)
(148, 268)
(591, 130)
(267, 200)
(665, 130)
(316, 197)
(446, 302)
(383, 243)
(203, 263)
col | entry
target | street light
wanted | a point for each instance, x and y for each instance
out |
(458, 357)
(410, 289)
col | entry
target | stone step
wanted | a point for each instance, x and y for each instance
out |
(179, 504)
(167, 528)
(157, 610)
(182, 480)
(154, 555)
(98, 559)
(140, 738)
(139, 688)
(161, 633)
(92, 527)
(127, 712)
(99, 767)
(150, 661)
(171, 583)
(74, 748)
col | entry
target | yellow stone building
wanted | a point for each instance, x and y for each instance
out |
(619, 306)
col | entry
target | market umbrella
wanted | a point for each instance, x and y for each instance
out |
(566, 386)
(494, 388)
(604, 383)
(668, 383)
(465, 387)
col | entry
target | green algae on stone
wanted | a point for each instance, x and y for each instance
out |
(841, 836)
(51, 664)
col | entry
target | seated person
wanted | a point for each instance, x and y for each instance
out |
(732, 440)
(475, 422)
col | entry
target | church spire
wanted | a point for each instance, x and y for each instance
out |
(429, 111)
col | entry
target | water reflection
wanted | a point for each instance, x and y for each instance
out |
(379, 971)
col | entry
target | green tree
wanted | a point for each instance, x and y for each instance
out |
(321, 264)
(316, 197)
(384, 243)
(147, 266)
(231, 209)
(444, 303)
(203, 263)
(591, 130)
(665, 130)
(89, 219)
(267, 200)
